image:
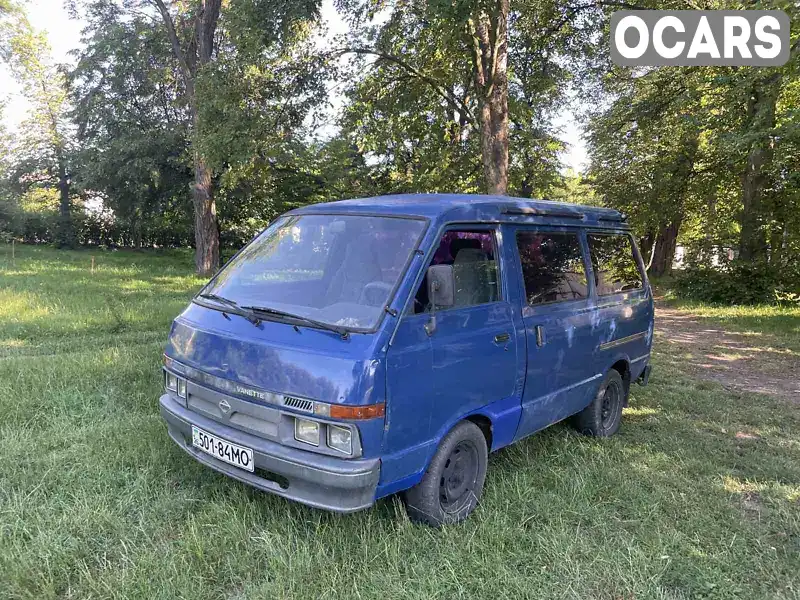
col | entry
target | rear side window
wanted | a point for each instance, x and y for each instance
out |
(615, 267)
(552, 267)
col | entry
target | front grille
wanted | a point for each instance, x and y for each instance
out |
(252, 417)
(298, 404)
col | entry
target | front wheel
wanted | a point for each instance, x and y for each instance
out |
(603, 416)
(452, 485)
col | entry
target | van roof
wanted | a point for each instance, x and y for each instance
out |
(474, 208)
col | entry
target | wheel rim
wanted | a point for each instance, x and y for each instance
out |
(457, 483)
(612, 398)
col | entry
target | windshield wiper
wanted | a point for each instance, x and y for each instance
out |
(236, 309)
(219, 299)
(251, 314)
(343, 332)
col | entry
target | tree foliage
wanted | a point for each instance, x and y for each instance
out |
(426, 110)
(199, 122)
(44, 150)
(705, 155)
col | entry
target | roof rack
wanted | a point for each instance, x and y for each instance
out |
(519, 210)
(615, 219)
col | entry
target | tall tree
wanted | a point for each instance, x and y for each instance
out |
(132, 125)
(488, 28)
(44, 151)
(199, 22)
(225, 85)
(644, 149)
(761, 91)
(445, 83)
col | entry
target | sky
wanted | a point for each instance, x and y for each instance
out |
(64, 35)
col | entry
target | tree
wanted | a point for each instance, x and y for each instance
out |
(7, 207)
(132, 126)
(43, 152)
(199, 24)
(224, 88)
(762, 91)
(460, 95)
(257, 106)
(644, 150)
(705, 154)
(488, 28)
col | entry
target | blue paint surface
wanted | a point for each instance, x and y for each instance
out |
(431, 382)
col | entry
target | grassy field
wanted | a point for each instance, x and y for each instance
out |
(698, 497)
(778, 323)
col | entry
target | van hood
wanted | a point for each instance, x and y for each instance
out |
(279, 358)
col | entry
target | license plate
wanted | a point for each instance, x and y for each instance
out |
(238, 456)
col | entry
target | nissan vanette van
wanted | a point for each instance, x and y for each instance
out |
(362, 348)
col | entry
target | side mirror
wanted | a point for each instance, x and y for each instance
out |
(441, 286)
(441, 292)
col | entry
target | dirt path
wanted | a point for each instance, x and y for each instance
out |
(740, 361)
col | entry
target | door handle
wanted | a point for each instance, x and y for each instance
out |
(501, 338)
(539, 336)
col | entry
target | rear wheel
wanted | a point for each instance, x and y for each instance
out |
(603, 417)
(453, 482)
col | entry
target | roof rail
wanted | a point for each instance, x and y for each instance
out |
(622, 218)
(524, 210)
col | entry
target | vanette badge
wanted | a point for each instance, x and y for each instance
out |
(244, 391)
(224, 407)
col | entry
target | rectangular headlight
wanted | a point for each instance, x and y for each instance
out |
(306, 431)
(181, 388)
(170, 381)
(340, 438)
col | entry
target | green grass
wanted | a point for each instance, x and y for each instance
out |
(780, 323)
(698, 497)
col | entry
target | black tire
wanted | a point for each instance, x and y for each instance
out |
(603, 416)
(452, 485)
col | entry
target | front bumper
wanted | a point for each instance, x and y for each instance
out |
(316, 480)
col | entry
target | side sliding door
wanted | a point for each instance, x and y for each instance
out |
(561, 329)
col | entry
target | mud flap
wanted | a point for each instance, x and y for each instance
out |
(644, 378)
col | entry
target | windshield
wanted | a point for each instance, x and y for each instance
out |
(339, 270)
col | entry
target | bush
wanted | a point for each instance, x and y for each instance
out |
(740, 283)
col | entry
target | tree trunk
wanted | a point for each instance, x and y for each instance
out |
(664, 249)
(201, 51)
(646, 247)
(206, 232)
(777, 240)
(761, 122)
(526, 191)
(679, 184)
(494, 143)
(65, 236)
(136, 230)
(489, 32)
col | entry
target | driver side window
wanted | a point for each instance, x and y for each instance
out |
(473, 256)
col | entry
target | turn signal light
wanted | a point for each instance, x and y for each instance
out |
(369, 411)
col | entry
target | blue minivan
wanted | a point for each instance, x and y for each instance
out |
(362, 348)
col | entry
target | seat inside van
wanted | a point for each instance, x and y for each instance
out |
(471, 272)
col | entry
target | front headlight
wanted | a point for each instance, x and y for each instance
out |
(181, 391)
(306, 431)
(171, 381)
(340, 438)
